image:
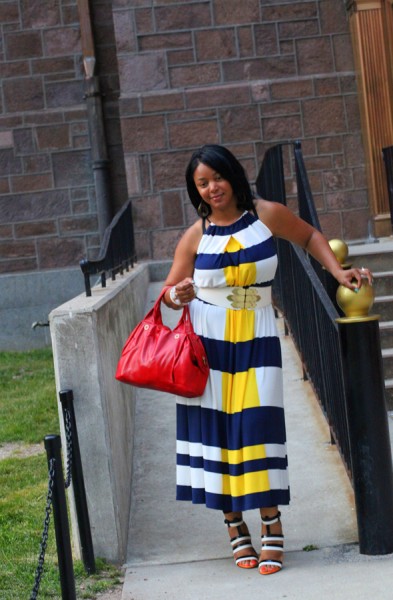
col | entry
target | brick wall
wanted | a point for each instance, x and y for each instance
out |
(175, 74)
(48, 215)
(247, 75)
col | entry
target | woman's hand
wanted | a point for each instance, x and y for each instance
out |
(182, 293)
(352, 278)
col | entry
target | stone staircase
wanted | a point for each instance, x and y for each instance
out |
(378, 257)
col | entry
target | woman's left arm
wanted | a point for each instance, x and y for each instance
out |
(284, 224)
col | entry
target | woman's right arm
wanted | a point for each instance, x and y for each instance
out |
(180, 275)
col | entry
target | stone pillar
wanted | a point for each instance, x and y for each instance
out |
(370, 21)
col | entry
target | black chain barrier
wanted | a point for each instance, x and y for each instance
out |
(68, 433)
(45, 533)
(48, 508)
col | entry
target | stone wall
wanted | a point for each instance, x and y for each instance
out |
(248, 75)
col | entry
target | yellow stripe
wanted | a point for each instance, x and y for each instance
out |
(239, 391)
(244, 274)
(249, 483)
(235, 457)
(239, 325)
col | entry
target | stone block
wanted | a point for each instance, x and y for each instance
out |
(163, 101)
(168, 169)
(72, 166)
(4, 185)
(172, 209)
(23, 45)
(277, 67)
(298, 29)
(324, 116)
(35, 229)
(327, 86)
(352, 109)
(339, 179)
(43, 205)
(331, 225)
(80, 224)
(193, 133)
(343, 53)
(38, 15)
(240, 123)
(141, 73)
(24, 94)
(333, 16)
(184, 16)
(290, 12)
(266, 40)
(330, 144)
(54, 137)
(6, 232)
(233, 12)
(132, 175)
(61, 41)
(146, 213)
(44, 66)
(260, 92)
(55, 253)
(164, 243)
(142, 245)
(216, 44)
(245, 37)
(300, 88)
(61, 94)
(142, 134)
(274, 109)
(282, 128)
(32, 182)
(144, 20)
(353, 150)
(356, 199)
(13, 249)
(348, 84)
(18, 265)
(314, 56)
(6, 139)
(359, 178)
(218, 95)
(355, 224)
(165, 41)
(9, 164)
(176, 58)
(195, 75)
(124, 31)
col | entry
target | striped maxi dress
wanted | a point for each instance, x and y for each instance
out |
(231, 442)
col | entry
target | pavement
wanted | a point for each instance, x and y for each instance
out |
(178, 550)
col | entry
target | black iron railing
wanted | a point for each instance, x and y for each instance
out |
(117, 251)
(387, 154)
(341, 358)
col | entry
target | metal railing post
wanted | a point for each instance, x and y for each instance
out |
(67, 402)
(368, 433)
(60, 517)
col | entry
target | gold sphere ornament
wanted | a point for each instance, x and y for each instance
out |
(355, 304)
(340, 250)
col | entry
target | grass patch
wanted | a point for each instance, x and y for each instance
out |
(28, 412)
(28, 405)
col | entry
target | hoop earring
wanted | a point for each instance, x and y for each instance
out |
(203, 210)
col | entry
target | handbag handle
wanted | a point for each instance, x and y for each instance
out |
(184, 319)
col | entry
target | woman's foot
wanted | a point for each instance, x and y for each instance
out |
(272, 549)
(244, 554)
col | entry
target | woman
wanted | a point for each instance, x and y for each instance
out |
(231, 444)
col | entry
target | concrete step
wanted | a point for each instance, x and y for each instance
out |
(389, 394)
(386, 334)
(383, 306)
(383, 283)
(376, 256)
(387, 356)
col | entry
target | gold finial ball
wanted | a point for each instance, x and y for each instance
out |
(340, 250)
(355, 304)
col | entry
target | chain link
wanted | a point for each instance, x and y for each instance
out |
(68, 433)
(45, 533)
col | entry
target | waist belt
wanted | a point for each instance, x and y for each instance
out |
(237, 297)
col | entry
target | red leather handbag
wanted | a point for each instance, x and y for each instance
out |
(159, 358)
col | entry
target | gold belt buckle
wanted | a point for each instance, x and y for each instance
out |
(244, 297)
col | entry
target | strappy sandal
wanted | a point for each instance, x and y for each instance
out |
(273, 543)
(242, 541)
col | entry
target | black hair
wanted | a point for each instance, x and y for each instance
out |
(226, 164)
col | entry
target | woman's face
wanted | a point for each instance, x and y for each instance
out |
(213, 189)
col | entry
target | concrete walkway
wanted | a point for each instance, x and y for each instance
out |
(181, 551)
